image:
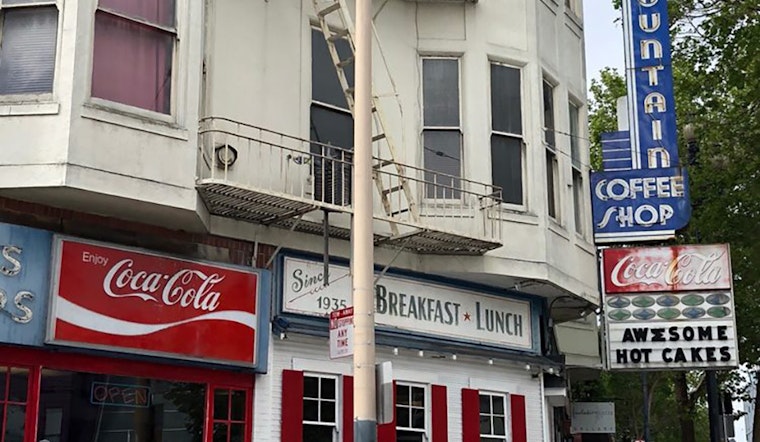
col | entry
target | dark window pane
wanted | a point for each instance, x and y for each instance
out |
(498, 405)
(440, 93)
(136, 409)
(3, 380)
(19, 384)
(402, 417)
(220, 432)
(155, 11)
(485, 403)
(443, 155)
(311, 410)
(506, 167)
(575, 153)
(331, 167)
(548, 113)
(409, 436)
(328, 388)
(418, 396)
(485, 424)
(14, 423)
(325, 86)
(328, 126)
(418, 418)
(317, 433)
(141, 75)
(327, 409)
(311, 387)
(238, 405)
(221, 405)
(237, 432)
(27, 53)
(506, 112)
(498, 426)
(550, 182)
(578, 196)
(491, 439)
(402, 394)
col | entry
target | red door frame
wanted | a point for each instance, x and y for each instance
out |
(35, 360)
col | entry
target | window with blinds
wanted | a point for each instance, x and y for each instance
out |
(28, 43)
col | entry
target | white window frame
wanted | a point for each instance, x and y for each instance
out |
(507, 416)
(427, 409)
(523, 148)
(436, 201)
(337, 401)
(179, 71)
(552, 167)
(43, 97)
(577, 170)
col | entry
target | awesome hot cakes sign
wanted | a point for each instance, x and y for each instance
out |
(669, 307)
(412, 305)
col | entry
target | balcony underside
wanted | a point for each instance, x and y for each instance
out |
(285, 211)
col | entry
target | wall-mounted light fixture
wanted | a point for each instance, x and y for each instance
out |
(226, 156)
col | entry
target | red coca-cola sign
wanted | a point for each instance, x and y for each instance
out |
(667, 269)
(115, 298)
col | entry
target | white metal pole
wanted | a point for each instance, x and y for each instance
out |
(365, 417)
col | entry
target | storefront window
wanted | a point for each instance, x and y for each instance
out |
(319, 408)
(229, 415)
(410, 413)
(78, 407)
(13, 400)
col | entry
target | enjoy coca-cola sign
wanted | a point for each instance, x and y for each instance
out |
(667, 269)
(126, 300)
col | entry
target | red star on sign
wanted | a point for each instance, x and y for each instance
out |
(467, 316)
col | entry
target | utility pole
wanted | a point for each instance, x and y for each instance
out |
(362, 278)
(713, 407)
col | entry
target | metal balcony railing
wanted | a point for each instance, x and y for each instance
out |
(259, 175)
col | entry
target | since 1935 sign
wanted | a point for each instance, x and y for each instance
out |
(669, 307)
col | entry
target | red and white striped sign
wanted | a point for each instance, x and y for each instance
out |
(118, 299)
(667, 269)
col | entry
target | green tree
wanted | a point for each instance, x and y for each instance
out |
(603, 110)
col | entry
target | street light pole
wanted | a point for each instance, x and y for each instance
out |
(362, 281)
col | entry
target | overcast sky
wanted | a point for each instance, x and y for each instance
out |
(604, 37)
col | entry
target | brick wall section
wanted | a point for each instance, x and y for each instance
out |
(128, 233)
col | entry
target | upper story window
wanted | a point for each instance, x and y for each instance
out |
(28, 43)
(552, 161)
(493, 417)
(320, 408)
(133, 55)
(442, 131)
(330, 122)
(506, 132)
(579, 188)
(411, 412)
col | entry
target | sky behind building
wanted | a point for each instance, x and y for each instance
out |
(604, 37)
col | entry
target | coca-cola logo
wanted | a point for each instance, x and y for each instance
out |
(187, 288)
(686, 269)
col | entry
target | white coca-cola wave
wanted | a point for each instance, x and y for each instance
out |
(84, 318)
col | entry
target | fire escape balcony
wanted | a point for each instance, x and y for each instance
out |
(270, 178)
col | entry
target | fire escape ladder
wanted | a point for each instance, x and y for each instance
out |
(390, 177)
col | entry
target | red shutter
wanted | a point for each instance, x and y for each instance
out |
(440, 414)
(470, 415)
(387, 432)
(519, 427)
(292, 406)
(348, 409)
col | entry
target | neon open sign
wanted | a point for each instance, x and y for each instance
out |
(120, 395)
